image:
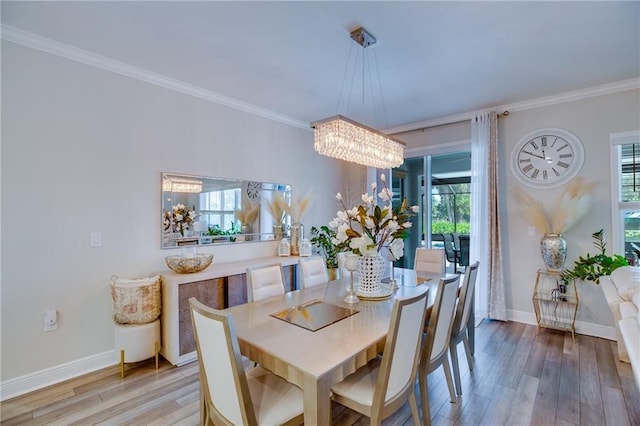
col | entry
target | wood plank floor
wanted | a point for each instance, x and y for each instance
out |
(519, 378)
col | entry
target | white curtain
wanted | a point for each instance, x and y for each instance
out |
(485, 218)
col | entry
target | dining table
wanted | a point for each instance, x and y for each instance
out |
(313, 339)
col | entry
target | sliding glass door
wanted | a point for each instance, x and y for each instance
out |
(445, 212)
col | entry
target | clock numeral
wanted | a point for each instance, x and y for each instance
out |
(527, 168)
(525, 160)
(563, 147)
(544, 175)
(534, 145)
(543, 141)
(535, 173)
(563, 164)
(554, 142)
(566, 155)
(557, 173)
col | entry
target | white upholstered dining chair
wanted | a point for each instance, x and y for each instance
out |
(381, 387)
(436, 343)
(228, 394)
(313, 271)
(264, 282)
(459, 330)
(429, 261)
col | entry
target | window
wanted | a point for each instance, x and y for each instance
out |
(625, 192)
(218, 207)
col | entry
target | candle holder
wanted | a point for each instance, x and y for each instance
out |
(351, 262)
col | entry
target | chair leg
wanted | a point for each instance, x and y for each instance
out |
(156, 352)
(453, 349)
(413, 404)
(122, 363)
(424, 396)
(447, 373)
(467, 350)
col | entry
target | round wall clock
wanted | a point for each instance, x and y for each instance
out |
(547, 158)
(253, 189)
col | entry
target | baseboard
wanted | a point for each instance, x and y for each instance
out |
(586, 328)
(50, 376)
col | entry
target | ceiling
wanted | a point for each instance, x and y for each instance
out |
(432, 59)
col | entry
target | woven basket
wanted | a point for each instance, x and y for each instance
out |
(135, 301)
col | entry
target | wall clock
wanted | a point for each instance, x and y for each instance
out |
(546, 158)
(253, 189)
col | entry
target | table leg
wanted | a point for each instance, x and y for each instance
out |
(317, 401)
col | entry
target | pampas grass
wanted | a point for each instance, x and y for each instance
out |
(297, 208)
(532, 209)
(248, 213)
(277, 206)
(573, 205)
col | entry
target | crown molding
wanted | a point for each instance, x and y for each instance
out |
(575, 95)
(53, 47)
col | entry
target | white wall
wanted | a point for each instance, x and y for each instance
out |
(82, 152)
(592, 120)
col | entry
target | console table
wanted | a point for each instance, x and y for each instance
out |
(220, 286)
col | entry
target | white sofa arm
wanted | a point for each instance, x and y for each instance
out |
(614, 300)
(630, 330)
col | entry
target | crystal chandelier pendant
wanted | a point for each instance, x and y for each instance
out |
(342, 138)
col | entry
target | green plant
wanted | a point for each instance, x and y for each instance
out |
(216, 230)
(591, 268)
(322, 240)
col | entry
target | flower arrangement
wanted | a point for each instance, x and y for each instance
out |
(179, 219)
(368, 228)
(574, 203)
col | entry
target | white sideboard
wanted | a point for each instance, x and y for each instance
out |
(220, 285)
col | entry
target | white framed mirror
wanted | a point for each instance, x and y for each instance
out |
(200, 210)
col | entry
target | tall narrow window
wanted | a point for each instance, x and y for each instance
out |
(626, 192)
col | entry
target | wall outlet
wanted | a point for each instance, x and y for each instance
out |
(51, 320)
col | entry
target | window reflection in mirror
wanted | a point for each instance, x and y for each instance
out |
(198, 210)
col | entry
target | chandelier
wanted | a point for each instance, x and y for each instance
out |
(345, 139)
(182, 185)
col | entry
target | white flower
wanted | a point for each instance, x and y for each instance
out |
(341, 232)
(396, 248)
(339, 196)
(407, 225)
(385, 194)
(393, 226)
(373, 187)
(362, 244)
(367, 199)
(178, 217)
(415, 209)
(383, 179)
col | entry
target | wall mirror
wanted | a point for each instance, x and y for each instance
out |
(198, 210)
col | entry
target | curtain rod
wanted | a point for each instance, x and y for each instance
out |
(444, 123)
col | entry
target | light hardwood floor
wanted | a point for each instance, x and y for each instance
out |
(519, 378)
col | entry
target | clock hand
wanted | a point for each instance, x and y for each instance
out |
(534, 155)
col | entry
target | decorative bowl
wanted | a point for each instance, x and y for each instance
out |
(188, 265)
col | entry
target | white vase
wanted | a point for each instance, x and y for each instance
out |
(370, 271)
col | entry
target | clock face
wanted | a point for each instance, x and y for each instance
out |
(253, 189)
(547, 157)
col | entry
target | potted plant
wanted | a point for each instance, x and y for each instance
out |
(591, 268)
(322, 241)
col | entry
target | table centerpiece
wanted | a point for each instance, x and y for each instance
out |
(369, 228)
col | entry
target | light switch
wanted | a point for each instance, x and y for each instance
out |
(96, 239)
